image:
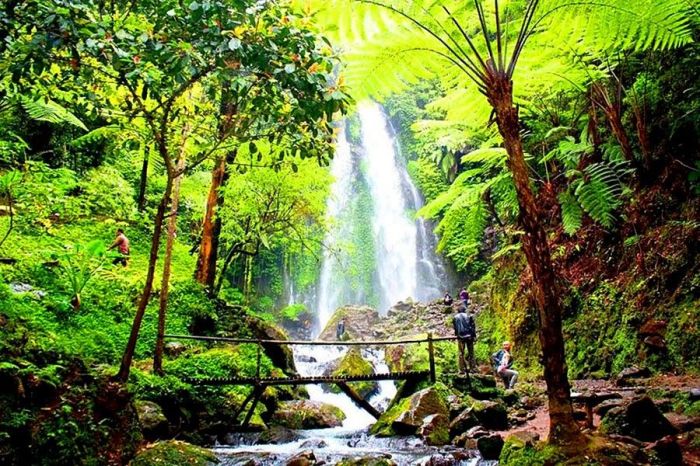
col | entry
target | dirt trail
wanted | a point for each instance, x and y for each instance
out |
(540, 423)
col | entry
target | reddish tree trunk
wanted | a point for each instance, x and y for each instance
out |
(612, 112)
(128, 355)
(167, 260)
(563, 428)
(211, 226)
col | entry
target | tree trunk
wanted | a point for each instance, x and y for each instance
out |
(211, 225)
(612, 112)
(125, 367)
(563, 428)
(144, 180)
(167, 260)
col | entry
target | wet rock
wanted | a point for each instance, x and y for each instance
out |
(455, 405)
(627, 376)
(278, 435)
(281, 355)
(435, 430)
(694, 394)
(527, 438)
(606, 406)
(304, 458)
(476, 432)
(683, 423)
(380, 460)
(666, 451)
(174, 349)
(422, 404)
(449, 459)
(314, 443)
(464, 421)
(154, 424)
(656, 342)
(306, 358)
(360, 323)
(638, 418)
(491, 414)
(305, 414)
(490, 446)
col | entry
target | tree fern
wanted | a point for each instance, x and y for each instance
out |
(50, 111)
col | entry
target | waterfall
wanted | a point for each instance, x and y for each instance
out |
(394, 229)
(331, 288)
(404, 264)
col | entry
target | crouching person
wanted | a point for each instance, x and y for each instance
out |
(503, 363)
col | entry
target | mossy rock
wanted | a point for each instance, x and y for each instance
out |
(589, 451)
(383, 426)
(516, 452)
(405, 416)
(354, 364)
(174, 452)
(304, 414)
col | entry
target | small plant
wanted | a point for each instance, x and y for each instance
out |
(80, 265)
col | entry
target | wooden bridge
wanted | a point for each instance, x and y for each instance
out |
(259, 383)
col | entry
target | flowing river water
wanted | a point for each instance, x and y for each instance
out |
(405, 266)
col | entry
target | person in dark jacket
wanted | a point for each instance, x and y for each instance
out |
(447, 300)
(465, 331)
(340, 329)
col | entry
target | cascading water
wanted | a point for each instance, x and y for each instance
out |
(331, 284)
(404, 262)
(370, 211)
(394, 231)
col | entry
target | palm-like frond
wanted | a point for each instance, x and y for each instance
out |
(50, 111)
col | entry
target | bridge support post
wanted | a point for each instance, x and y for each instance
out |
(431, 357)
(257, 393)
(358, 400)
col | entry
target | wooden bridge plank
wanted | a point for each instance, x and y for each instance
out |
(305, 342)
(265, 381)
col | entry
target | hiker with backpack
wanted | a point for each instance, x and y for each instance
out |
(503, 363)
(465, 330)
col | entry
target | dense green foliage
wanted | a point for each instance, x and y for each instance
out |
(99, 103)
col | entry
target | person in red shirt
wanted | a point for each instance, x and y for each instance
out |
(122, 244)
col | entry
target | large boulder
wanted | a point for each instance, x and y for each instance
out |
(631, 376)
(303, 458)
(360, 324)
(491, 414)
(490, 446)
(405, 416)
(305, 414)
(280, 355)
(640, 418)
(464, 421)
(174, 452)
(354, 364)
(154, 424)
(422, 404)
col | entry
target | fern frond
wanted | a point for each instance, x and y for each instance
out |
(491, 157)
(571, 212)
(50, 111)
(599, 194)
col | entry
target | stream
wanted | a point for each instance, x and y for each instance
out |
(351, 440)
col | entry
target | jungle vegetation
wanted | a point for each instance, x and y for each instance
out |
(555, 142)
